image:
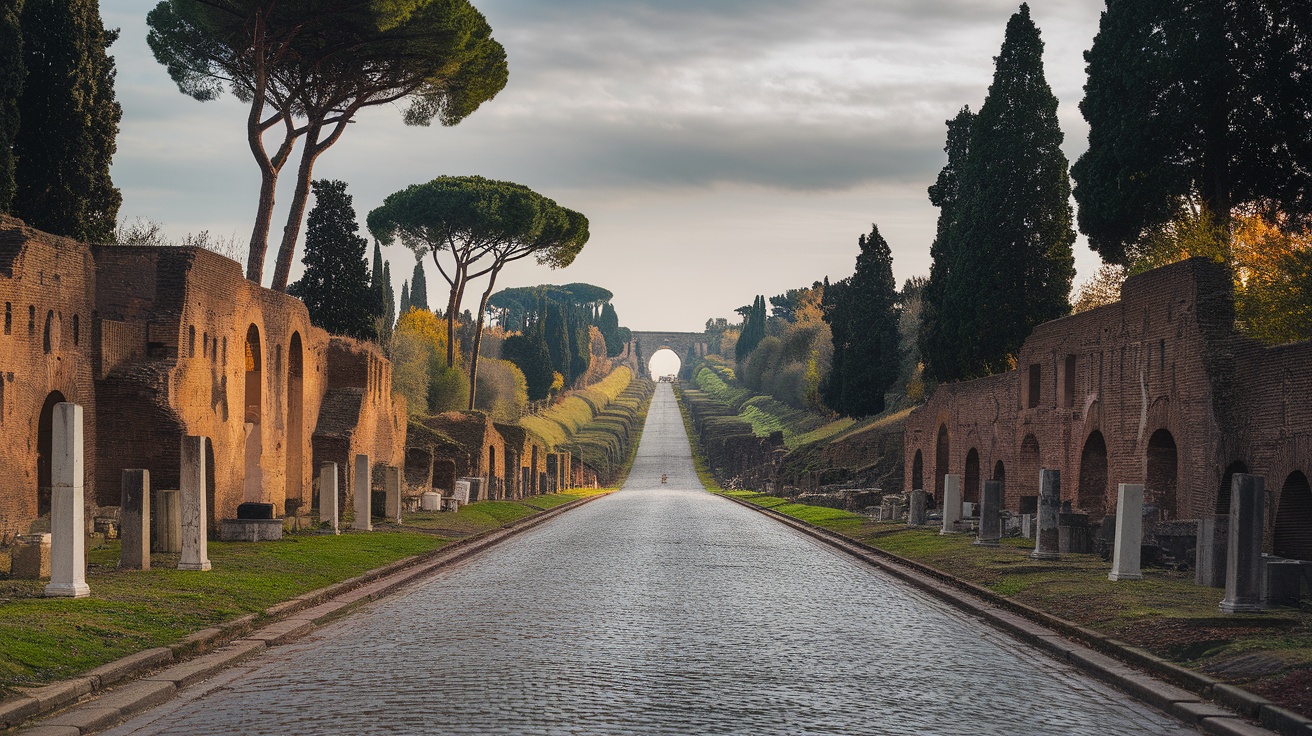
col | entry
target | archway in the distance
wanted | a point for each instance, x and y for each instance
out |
(664, 362)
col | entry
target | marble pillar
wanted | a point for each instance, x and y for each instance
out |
(1129, 533)
(1243, 565)
(165, 522)
(990, 514)
(392, 487)
(134, 520)
(68, 532)
(951, 503)
(191, 503)
(361, 491)
(1210, 552)
(328, 496)
(1047, 537)
(916, 515)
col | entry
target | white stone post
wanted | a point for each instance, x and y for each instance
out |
(1047, 539)
(1243, 565)
(951, 503)
(328, 496)
(68, 532)
(1129, 533)
(392, 485)
(191, 497)
(362, 506)
(916, 510)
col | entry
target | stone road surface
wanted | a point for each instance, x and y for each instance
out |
(656, 610)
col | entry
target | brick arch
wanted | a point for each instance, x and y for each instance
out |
(971, 478)
(1293, 526)
(1026, 481)
(918, 472)
(942, 460)
(1162, 473)
(1091, 493)
(645, 344)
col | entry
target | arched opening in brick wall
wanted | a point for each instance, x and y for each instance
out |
(1163, 474)
(664, 362)
(211, 510)
(1000, 475)
(418, 467)
(970, 493)
(1293, 532)
(535, 484)
(492, 490)
(1027, 481)
(444, 476)
(1227, 478)
(49, 340)
(295, 421)
(45, 429)
(254, 403)
(508, 475)
(1091, 494)
(940, 462)
(918, 472)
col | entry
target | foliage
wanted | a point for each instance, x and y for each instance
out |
(335, 285)
(419, 286)
(321, 63)
(789, 364)
(559, 423)
(529, 353)
(1200, 105)
(609, 324)
(753, 330)
(67, 120)
(419, 372)
(862, 314)
(502, 390)
(1006, 250)
(1101, 289)
(12, 73)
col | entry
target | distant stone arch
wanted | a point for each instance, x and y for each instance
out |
(645, 344)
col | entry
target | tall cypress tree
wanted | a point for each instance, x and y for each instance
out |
(609, 324)
(874, 354)
(404, 306)
(938, 336)
(556, 333)
(12, 73)
(389, 296)
(753, 329)
(335, 286)
(419, 287)
(1013, 263)
(68, 121)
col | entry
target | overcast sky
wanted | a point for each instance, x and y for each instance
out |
(720, 148)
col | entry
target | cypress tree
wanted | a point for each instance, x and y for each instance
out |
(753, 329)
(938, 336)
(872, 348)
(556, 333)
(389, 296)
(12, 72)
(609, 324)
(404, 306)
(68, 121)
(335, 286)
(833, 308)
(1012, 265)
(419, 287)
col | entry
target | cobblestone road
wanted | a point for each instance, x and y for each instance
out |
(657, 610)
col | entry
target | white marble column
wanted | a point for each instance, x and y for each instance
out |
(191, 499)
(361, 492)
(328, 496)
(1129, 533)
(951, 503)
(68, 532)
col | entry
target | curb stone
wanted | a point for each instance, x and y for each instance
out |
(88, 707)
(1047, 632)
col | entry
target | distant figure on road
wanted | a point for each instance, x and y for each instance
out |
(664, 478)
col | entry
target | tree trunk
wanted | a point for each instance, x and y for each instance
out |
(292, 230)
(452, 304)
(478, 336)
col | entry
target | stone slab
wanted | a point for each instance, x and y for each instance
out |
(1283, 720)
(1194, 712)
(50, 731)
(1231, 726)
(15, 710)
(205, 666)
(282, 631)
(1239, 699)
(59, 694)
(137, 696)
(130, 666)
(250, 530)
(1163, 696)
(85, 718)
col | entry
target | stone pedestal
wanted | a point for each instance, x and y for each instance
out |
(1243, 568)
(68, 531)
(191, 501)
(360, 492)
(951, 503)
(1027, 526)
(31, 557)
(250, 530)
(919, 501)
(134, 520)
(165, 522)
(1129, 533)
(1282, 583)
(328, 497)
(1073, 533)
(1210, 551)
(392, 490)
(1047, 537)
(990, 517)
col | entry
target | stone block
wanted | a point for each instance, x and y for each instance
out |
(1282, 583)
(68, 534)
(166, 521)
(1047, 535)
(1129, 533)
(919, 502)
(392, 491)
(1210, 552)
(191, 497)
(134, 518)
(990, 514)
(328, 496)
(31, 557)
(360, 492)
(951, 503)
(1243, 570)
(250, 530)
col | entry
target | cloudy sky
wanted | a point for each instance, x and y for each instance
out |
(720, 148)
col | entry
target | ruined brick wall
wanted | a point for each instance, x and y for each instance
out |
(1156, 389)
(46, 355)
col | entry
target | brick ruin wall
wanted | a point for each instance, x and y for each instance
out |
(1157, 388)
(156, 343)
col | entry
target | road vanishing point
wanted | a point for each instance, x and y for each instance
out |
(660, 609)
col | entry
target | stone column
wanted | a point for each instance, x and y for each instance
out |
(191, 498)
(328, 496)
(165, 522)
(990, 516)
(951, 503)
(1047, 539)
(1129, 533)
(134, 520)
(361, 493)
(68, 531)
(1243, 565)
(916, 514)
(392, 485)
(1210, 554)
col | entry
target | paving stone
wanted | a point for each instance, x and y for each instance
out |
(50, 731)
(85, 718)
(282, 632)
(15, 710)
(1233, 726)
(1241, 700)
(1192, 712)
(50, 697)
(131, 666)
(137, 696)
(204, 666)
